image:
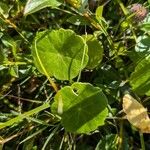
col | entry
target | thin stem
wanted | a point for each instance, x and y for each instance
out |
(45, 71)
(142, 141)
(126, 12)
(83, 58)
(110, 110)
(99, 26)
(94, 23)
(50, 137)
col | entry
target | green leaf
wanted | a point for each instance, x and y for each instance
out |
(99, 16)
(145, 27)
(4, 9)
(142, 44)
(13, 70)
(142, 49)
(95, 51)
(82, 107)
(60, 53)
(145, 24)
(36, 5)
(99, 12)
(140, 78)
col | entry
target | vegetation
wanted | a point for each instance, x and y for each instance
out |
(65, 66)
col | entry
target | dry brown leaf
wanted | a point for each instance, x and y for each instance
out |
(136, 114)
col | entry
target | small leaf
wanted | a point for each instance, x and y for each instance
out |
(4, 9)
(99, 12)
(142, 49)
(60, 53)
(13, 70)
(99, 16)
(83, 106)
(36, 5)
(142, 44)
(95, 51)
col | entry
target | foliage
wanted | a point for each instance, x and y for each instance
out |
(65, 66)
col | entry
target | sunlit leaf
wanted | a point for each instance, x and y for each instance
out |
(60, 53)
(99, 12)
(36, 5)
(83, 107)
(143, 44)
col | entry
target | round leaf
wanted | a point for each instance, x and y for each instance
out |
(81, 106)
(95, 51)
(60, 53)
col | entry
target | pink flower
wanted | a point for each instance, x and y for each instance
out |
(140, 12)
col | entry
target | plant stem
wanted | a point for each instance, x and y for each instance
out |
(99, 27)
(83, 58)
(126, 12)
(45, 71)
(94, 23)
(142, 141)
